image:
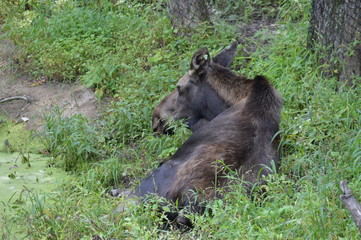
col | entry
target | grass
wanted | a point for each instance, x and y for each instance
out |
(70, 140)
(134, 55)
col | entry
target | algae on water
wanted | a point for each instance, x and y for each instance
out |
(14, 137)
(21, 167)
(15, 175)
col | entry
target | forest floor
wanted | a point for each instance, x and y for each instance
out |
(42, 95)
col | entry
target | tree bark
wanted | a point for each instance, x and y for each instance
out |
(186, 14)
(351, 204)
(336, 25)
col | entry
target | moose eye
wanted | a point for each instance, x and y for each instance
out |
(180, 90)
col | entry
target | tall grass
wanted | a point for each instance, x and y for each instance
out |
(70, 140)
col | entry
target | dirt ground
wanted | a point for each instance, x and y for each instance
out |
(42, 95)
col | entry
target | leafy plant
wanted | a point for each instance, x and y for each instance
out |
(70, 140)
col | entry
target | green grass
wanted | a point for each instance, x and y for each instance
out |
(70, 140)
(134, 55)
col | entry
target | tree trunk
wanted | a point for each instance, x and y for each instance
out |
(186, 14)
(351, 204)
(336, 25)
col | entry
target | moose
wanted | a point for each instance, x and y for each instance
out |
(241, 120)
(171, 107)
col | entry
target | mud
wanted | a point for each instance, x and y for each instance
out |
(43, 94)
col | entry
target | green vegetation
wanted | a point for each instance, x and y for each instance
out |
(70, 140)
(129, 51)
(15, 138)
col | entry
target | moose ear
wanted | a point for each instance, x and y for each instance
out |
(200, 61)
(226, 56)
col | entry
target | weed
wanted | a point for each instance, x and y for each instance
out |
(242, 11)
(70, 140)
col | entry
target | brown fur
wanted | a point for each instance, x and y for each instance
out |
(164, 110)
(229, 86)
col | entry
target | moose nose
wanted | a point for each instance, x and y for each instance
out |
(155, 129)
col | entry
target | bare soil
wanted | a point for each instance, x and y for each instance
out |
(42, 94)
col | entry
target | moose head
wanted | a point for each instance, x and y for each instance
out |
(194, 99)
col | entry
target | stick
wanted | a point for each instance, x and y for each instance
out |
(351, 204)
(26, 99)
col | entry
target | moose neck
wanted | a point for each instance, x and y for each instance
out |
(229, 86)
(209, 103)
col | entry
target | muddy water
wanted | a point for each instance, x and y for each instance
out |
(34, 175)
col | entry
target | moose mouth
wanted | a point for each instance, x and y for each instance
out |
(163, 128)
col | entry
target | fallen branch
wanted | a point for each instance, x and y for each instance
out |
(351, 204)
(26, 99)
